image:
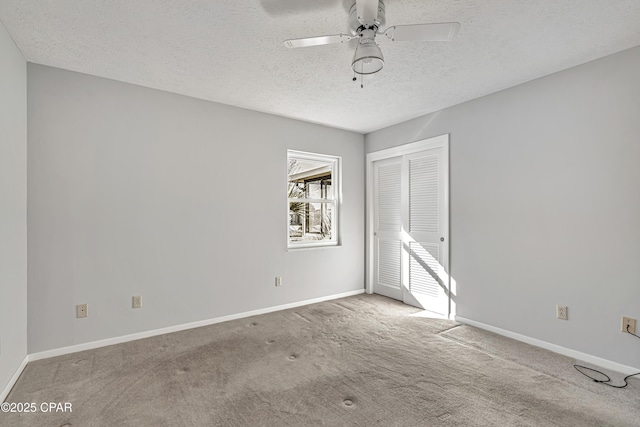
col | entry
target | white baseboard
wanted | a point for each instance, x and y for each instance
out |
(584, 357)
(146, 334)
(13, 379)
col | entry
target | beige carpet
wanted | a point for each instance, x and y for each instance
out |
(358, 361)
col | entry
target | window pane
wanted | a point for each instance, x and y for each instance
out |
(310, 179)
(310, 222)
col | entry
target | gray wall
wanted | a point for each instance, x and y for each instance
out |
(137, 191)
(545, 204)
(13, 208)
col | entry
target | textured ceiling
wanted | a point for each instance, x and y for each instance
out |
(232, 52)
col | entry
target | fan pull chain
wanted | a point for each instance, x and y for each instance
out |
(356, 79)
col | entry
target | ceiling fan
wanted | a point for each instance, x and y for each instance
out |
(366, 18)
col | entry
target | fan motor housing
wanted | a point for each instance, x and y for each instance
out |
(356, 27)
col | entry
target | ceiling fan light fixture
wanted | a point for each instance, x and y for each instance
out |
(367, 59)
(366, 17)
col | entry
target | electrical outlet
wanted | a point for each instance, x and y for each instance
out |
(136, 301)
(562, 311)
(631, 323)
(278, 280)
(82, 310)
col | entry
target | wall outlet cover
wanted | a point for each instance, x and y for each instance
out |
(631, 323)
(562, 312)
(82, 310)
(136, 301)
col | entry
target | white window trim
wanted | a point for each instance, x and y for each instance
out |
(336, 178)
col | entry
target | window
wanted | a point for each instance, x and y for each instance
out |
(313, 196)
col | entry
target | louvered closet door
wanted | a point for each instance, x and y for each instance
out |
(410, 247)
(388, 227)
(426, 279)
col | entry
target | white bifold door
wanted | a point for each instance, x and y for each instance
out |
(410, 228)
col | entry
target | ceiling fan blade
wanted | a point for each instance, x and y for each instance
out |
(442, 32)
(318, 41)
(367, 11)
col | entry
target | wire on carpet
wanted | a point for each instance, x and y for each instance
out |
(579, 368)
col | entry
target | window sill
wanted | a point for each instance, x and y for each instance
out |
(316, 246)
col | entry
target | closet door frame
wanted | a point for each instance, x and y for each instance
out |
(441, 141)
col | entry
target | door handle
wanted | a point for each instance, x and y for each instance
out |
(442, 239)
